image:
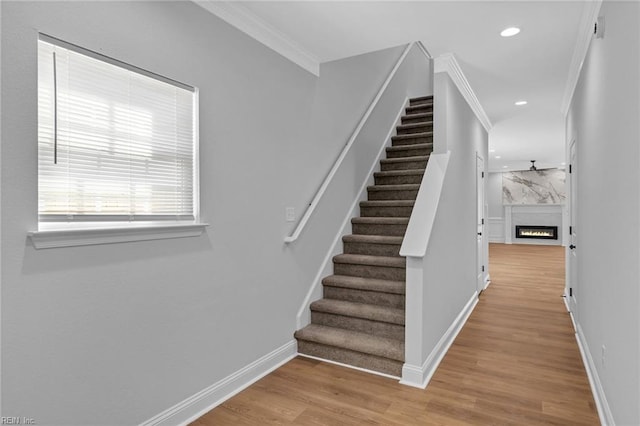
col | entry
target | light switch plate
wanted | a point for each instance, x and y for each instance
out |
(290, 214)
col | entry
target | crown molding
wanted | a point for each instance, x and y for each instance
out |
(585, 35)
(249, 23)
(447, 63)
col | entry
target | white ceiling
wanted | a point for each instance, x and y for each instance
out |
(533, 65)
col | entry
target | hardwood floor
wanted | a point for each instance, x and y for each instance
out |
(516, 362)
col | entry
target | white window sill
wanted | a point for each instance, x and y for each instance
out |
(72, 237)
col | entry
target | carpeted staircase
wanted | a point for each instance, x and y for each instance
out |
(360, 320)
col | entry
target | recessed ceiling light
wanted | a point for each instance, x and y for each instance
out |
(497, 156)
(509, 32)
(520, 103)
(563, 164)
(504, 167)
(492, 150)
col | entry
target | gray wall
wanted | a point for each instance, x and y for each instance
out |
(494, 195)
(450, 271)
(604, 121)
(114, 334)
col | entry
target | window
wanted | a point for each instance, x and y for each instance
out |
(115, 143)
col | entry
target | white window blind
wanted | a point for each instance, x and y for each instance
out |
(114, 143)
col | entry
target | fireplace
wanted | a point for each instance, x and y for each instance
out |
(537, 232)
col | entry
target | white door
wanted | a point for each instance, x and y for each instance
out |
(572, 252)
(480, 222)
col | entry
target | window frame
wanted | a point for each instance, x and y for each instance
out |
(55, 233)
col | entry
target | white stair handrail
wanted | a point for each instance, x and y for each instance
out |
(334, 169)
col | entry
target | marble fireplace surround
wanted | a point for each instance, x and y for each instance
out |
(533, 214)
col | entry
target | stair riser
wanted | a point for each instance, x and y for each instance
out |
(345, 356)
(364, 296)
(411, 141)
(409, 153)
(372, 249)
(385, 211)
(369, 271)
(413, 102)
(406, 119)
(419, 109)
(393, 195)
(379, 229)
(405, 165)
(426, 127)
(375, 328)
(398, 180)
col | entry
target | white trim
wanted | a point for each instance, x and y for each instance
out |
(447, 63)
(303, 317)
(496, 224)
(604, 411)
(565, 299)
(91, 236)
(334, 169)
(424, 50)
(423, 216)
(204, 401)
(585, 35)
(419, 376)
(508, 225)
(353, 367)
(249, 23)
(533, 205)
(487, 281)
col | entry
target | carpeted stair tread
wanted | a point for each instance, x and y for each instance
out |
(410, 126)
(404, 159)
(416, 149)
(403, 187)
(352, 340)
(414, 109)
(362, 259)
(372, 239)
(412, 150)
(372, 243)
(421, 99)
(359, 310)
(408, 172)
(387, 203)
(366, 284)
(426, 115)
(381, 220)
(417, 118)
(411, 136)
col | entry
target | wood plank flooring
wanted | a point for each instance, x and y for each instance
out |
(515, 362)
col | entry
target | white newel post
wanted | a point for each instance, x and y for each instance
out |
(412, 373)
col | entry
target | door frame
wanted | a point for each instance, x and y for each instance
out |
(481, 235)
(571, 285)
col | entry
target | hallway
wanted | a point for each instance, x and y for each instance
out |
(516, 361)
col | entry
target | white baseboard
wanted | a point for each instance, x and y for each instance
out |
(604, 411)
(303, 318)
(353, 367)
(197, 405)
(419, 375)
(565, 299)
